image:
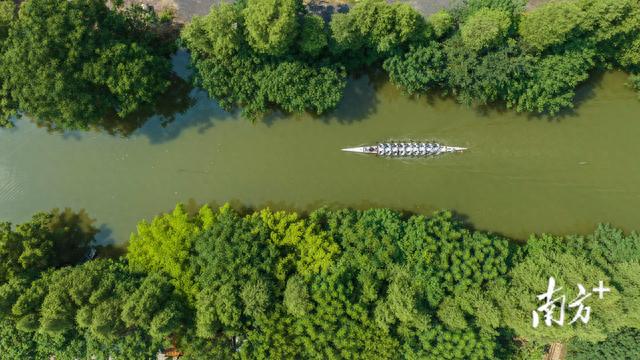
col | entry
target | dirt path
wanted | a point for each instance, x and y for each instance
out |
(557, 351)
(186, 9)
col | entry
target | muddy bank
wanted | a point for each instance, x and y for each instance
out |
(186, 9)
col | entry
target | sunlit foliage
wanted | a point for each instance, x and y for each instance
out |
(271, 25)
(166, 245)
(550, 24)
(441, 22)
(485, 28)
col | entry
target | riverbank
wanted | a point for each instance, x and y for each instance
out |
(186, 9)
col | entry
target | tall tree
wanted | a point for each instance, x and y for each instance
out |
(485, 28)
(272, 25)
(166, 245)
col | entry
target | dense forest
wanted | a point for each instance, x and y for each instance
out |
(73, 64)
(81, 63)
(258, 54)
(335, 284)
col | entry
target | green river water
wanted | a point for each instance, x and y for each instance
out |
(520, 175)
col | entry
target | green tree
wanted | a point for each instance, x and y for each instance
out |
(313, 36)
(441, 22)
(296, 297)
(485, 28)
(271, 25)
(7, 14)
(551, 87)
(234, 82)
(15, 344)
(571, 261)
(373, 29)
(629, 57)
(501, 75)
(218, 34)
(550, 24)
(297, 87)
(127, 70)
(513, 7)
(166, 245)
(622, 345)
(418, 70)
(76, 312)
(70, 64)
(48, 240)
(151, 307)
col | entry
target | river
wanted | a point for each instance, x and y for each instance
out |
(521, 174)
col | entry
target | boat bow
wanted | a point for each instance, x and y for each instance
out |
(362, 149)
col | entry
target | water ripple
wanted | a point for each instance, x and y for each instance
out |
(10, 187)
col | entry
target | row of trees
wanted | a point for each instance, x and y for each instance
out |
(372, 284)
(73, 64)
(76, 64)
(257, 54)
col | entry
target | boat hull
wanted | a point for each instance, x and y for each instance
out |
(405, 149)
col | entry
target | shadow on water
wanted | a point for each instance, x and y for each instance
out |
(175, 101)
(111, 251)
(360, 100)
(73, 232)
(104, 235)
(106, 246)
(195, 109)
(202, 116)
(190, 106)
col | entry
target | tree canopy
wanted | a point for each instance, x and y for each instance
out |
(80, 64)
(70, 64)
(485, 28)
(332, 284)
(483, 52)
